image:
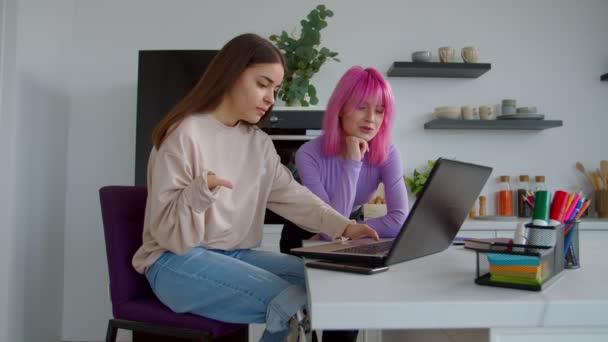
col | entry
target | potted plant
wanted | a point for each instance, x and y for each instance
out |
(304, 56)
(416, 182)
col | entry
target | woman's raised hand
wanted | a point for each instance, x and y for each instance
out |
(355, 148)
(213, 181)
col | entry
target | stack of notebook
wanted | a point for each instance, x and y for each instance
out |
(517, 269)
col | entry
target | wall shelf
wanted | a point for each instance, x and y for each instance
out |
(434, 69)
(493, 124)
(604, 77)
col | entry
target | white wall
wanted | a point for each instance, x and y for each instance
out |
(547, 53)
(33, 129)
(7, 61)
(544, 53)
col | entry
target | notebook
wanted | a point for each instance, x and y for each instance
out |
(444, 203)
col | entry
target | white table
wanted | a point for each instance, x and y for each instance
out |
(438, 291)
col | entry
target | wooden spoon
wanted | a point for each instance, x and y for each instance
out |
(599, 181)
(581, 168)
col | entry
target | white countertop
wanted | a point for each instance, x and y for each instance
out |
(438, 291)
(482, 224)
(511, 223)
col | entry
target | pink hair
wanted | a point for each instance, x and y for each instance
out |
(355, 87)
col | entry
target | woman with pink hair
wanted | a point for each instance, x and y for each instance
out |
(355, 153)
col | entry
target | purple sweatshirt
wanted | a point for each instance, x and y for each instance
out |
(347, 184)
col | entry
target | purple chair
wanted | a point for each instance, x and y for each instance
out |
(134, 305)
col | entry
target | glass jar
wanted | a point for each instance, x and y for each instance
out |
(524, 209)
(540, 183)
(505, 197)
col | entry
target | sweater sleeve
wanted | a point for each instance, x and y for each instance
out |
(309, 163)
(298, 204)
(388, 226)
(177, 193)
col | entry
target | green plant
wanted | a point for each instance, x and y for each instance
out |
(304, 57)
(416, 182)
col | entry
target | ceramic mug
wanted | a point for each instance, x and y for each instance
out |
(447, 54)
(468, 112)
(486, 112)
(470, 54)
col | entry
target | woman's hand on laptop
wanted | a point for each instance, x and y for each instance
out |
(358, 231)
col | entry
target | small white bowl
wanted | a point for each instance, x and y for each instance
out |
(448, 109)
(450, 115)
(421, 56)
(526, 110)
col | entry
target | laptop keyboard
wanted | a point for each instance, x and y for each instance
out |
(374, 248)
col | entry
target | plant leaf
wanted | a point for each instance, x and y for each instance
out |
(305, 56)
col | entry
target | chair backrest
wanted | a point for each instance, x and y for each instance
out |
(122, 210)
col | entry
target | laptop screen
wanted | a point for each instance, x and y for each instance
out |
(444, 203)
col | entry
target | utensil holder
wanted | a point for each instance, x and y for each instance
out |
(601, 203)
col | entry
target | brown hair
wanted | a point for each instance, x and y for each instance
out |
(221, 75)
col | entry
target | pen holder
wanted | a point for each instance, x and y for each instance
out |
(540, 236)
(530, 266)
(572, 255)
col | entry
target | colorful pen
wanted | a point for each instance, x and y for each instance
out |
(572, 206)
(577, 209)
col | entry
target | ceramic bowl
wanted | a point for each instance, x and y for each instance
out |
(508, 109)
(448, 112)
(448, 115)
(455, 109)
(421, 56)
(526, 110)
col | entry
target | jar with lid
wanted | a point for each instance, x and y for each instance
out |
(540, 183)
(505, 197)
(523, 206)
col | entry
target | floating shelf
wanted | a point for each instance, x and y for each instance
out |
(434, 69)
(493, 124)
(604, 77)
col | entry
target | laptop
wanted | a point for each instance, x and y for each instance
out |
(444, 203)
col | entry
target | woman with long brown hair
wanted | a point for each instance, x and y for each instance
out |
(211, 175)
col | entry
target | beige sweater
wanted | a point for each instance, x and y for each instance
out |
(181, 212)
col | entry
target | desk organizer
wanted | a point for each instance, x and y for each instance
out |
(532, 266)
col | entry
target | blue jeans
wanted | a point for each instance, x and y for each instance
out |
(239, 286)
